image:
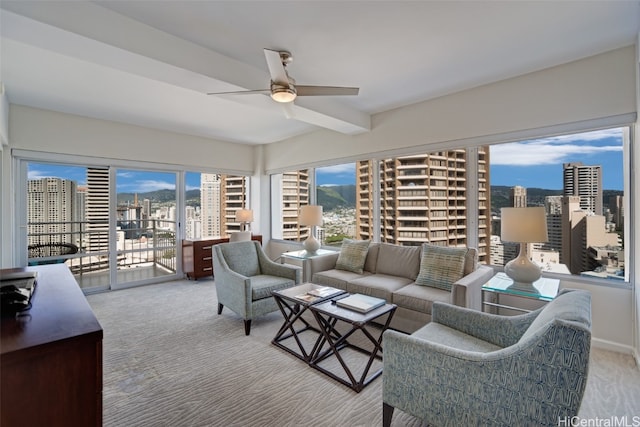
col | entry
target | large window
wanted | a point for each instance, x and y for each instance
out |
(579, 179)
(336, 193)
(453, 198)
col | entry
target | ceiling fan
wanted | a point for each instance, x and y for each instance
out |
(283, 88)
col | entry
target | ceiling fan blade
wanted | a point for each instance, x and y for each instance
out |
(276, 69)
(241, 92)
(325, 90)
(287, 108)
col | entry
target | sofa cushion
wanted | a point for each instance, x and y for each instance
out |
(402, 261)
(377, 285)
(441, 266)
(372, 257)
(419, 298)
(353, 254)
(336, 278)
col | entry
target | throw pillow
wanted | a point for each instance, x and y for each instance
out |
(441, 266)
(353, 254)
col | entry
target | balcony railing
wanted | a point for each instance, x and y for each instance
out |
(84, 245)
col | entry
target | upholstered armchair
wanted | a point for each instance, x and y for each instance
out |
(472, 368)
(244, 278)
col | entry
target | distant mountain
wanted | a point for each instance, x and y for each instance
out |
(336, 196)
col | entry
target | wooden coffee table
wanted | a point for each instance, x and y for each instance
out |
(328, 316)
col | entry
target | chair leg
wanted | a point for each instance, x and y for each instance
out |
(247, 326)
(387, 413)
(220, 308)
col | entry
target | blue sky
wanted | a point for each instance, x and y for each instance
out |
(536, 163)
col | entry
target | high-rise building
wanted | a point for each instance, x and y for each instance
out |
(234, 191)
(616, 206)
(424, 199)
(518, 197)
(97, 213)
(210, 200)
(52, 213)
(582, 230)
(295, 193)
(586, 183)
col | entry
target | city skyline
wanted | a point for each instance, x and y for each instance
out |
(532, 164)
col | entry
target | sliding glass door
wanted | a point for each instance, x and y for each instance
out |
(113, 227)
(145, 225)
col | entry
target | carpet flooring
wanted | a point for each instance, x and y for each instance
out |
(171, 360)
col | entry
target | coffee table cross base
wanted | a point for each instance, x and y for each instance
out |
(327, 320)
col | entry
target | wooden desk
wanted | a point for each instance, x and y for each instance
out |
(51, 357)
(197, 256)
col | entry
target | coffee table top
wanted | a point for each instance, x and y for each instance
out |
(299, 294)
(329, 308)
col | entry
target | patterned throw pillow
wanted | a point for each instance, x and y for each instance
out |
(353, 254)
(441, 266)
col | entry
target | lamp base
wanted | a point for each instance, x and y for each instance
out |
(521, 270)
(311, 245)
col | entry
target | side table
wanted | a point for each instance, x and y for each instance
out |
(302, 258)
(328, 315)
(544, 289)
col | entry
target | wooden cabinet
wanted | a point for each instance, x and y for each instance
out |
(51, 357)
(197, 256)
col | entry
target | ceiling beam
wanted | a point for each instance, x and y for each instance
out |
(70, 29)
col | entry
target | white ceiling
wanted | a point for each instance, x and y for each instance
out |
(151, 63)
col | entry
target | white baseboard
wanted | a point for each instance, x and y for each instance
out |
(613, 346)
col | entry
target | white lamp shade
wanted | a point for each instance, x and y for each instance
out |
(244, 215)
(524, 225)
(310, 215)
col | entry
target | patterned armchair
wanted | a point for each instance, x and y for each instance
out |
(245, 277)
(473, 368)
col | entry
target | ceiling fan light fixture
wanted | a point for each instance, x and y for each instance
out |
(283, 93)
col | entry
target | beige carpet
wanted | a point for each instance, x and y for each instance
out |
(170, 360)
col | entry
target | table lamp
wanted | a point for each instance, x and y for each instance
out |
(524, 226)
(311, 215)
(244, 217)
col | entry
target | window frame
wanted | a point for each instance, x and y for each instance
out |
(471, 146)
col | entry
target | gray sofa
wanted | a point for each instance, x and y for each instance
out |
(390, 272)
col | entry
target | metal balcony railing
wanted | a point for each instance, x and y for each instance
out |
(84, 245)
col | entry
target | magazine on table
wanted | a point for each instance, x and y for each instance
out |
(360, 303)
(324, 291)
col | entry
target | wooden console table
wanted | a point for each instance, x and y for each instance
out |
(51, 356)
(197, 256)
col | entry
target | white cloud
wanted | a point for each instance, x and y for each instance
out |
(344, 168)
(554, 150)
(36, 174)
(146, 185)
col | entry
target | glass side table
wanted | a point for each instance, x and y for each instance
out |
(301, 258)
(544, 289)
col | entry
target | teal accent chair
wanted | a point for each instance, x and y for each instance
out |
(244, 278)
(472, 368)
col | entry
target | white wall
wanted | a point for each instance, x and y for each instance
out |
(593, 88)
(49, 131)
